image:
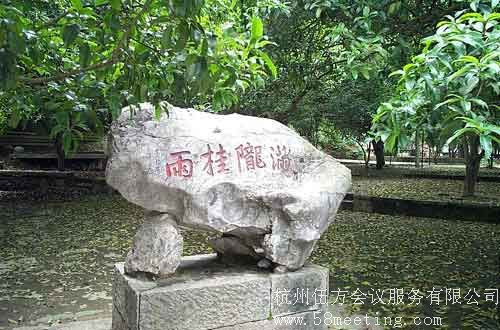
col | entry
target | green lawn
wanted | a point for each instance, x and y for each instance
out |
(56, 259)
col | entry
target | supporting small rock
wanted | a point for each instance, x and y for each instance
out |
(157, 248)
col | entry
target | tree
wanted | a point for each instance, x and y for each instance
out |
(333, 55)
(72, 59)
(454, 85)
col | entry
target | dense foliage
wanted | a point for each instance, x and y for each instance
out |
(70, 66)
(68, 62)
(333, 58)
(451, 90)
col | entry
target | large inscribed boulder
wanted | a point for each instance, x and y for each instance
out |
(265, 191)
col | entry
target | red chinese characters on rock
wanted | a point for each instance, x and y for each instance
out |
(180, 167)
(250, 156)
(216, 161)
(281, 158)
(220, 161)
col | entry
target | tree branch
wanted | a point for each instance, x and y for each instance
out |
(64, 75)
(52, 21)
(115, 56)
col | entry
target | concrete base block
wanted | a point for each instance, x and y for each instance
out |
(205, 294)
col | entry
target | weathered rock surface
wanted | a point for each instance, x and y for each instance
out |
(157, 248)
(249, 178)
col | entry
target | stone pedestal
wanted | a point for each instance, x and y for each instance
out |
(205, 294)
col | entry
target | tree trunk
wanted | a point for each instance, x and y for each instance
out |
(417, 149)
(367, 160)
(284, 116)
(490, 162)
(422, 162)
(460, 151)
(60, 153)
(436, 155)
(378, 149)
(472, 160)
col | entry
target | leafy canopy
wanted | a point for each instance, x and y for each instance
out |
(453, 86)
(68, 62)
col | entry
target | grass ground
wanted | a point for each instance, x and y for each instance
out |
(56, 260)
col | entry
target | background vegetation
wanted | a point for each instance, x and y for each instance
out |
(323, 67)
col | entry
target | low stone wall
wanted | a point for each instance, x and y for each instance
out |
(425, 209)
(48, 181)
(359, 170)
(411, 159)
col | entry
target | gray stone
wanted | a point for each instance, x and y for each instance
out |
(157, 248)
(205, 294)
(232, 246)
(264, 264)
(302, 290)
(241, 176)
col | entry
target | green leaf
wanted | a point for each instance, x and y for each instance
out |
(395, 73)
(166, 39)
(354, 73)
(264, 43)
(62, 118)
(269, 64)
(319, 10)
(77, 4)
(390, 143)
(448, 101)
(486, 145)
(480, 102)
(470, 84)
(257, 29)
(394, 7)
(494, 16)
(115, 4)
(69, 33)
(229, 82)
(67, 139)
(459, 133)
(475, 16)
(183, 31)
(158, 111)
(84, 55)
(493, 128)
(459, 73)
(364, 71)
(469, 59)
(15, 118)
(56, 130)
(409, 84)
